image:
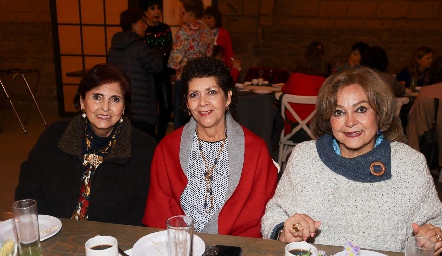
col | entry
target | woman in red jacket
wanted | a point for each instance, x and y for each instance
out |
(306, 80)
(212, 169)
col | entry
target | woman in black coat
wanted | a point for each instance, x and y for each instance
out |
(95, 167)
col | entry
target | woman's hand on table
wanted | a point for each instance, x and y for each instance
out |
(431, 232)
(299, 227)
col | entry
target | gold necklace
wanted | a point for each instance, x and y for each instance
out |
(209, 173)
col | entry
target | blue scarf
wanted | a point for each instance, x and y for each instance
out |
(358, 168)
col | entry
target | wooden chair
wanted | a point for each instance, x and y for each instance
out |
(285, 144)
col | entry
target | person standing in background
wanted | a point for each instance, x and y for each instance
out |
(159, 36)
(212, 17)
(194, 39)
(129, 53)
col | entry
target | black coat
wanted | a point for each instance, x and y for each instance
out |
(134, 57)
(53, 171)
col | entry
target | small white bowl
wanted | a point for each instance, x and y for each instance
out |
(300, 246)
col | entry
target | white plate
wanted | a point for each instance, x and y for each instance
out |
(363, 253)
(45, 222)
(156, 244)
(262, 91)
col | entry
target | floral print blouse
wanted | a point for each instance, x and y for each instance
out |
(192, 40)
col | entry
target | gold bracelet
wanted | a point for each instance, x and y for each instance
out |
(279, 233)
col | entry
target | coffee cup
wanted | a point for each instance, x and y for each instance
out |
(300, 248)
(101, 246)
(255, 81)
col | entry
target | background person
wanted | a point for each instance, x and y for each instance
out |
(218, 53)
(306, 80)
(129, 53)
(194, 39)
(376, 58)
(212, 169)
(212, 17)
(95, 167)
(355, 182)
(354, 60)
(420, 61)
(159, 36)
(421, 114)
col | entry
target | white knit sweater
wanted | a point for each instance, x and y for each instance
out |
(373, 215)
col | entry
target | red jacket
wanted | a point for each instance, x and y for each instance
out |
(224, 41)
(303, 85)
(241, 213)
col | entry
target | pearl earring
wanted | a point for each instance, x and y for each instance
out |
(83, 115)
(121, 120)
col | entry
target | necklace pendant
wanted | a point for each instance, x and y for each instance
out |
(94, 160)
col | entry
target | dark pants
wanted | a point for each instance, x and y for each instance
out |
(180, 118)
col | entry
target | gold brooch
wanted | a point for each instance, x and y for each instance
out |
(93, 159)
(377, 168)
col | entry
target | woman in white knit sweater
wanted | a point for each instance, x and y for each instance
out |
(355, 182)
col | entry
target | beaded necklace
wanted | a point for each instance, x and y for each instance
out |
(209, 173)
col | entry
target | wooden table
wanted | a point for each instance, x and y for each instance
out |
(71, 238)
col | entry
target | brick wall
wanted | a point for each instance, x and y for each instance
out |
(270, 33)
(274, 33)
(26, 42)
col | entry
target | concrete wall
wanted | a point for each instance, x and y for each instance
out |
(269, 33)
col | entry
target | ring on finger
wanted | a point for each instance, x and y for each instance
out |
(439, 238)
(296, 227)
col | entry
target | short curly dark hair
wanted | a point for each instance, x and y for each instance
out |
(208, 67)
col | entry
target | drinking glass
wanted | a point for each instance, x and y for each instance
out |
(419, 246)
(25, 222)
(180, 236)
